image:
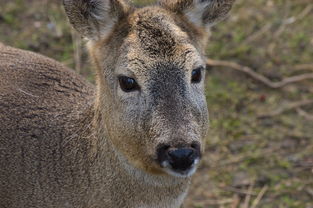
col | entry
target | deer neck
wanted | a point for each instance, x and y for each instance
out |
(115, 178)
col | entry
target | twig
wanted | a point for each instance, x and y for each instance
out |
(285, 21)
(239, 158)
(259, 197)
(309, 191)
(236, 201)
(292, 20)
(258, 34)
(303, 67)
(248, 196)
(215, 202)
(303, 1)
(233, 160)
(304, 114)
(260, 77)
(305, 11)
(239, 191)
(289, 107)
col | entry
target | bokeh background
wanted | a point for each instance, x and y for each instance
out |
(259, 152)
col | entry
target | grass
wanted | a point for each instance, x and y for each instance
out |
(271, 37)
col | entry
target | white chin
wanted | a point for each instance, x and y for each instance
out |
(181, 174)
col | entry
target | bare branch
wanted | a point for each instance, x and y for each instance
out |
(289, 107)
(259, 34)
(236, 201)
(239, 191)
(259, 197)
(304, 114)
(206, 202)
(303, 67)
(248, 196)
(292, 20)
(260, 77)
(306, 11)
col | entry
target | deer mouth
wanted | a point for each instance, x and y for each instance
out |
(182, 172)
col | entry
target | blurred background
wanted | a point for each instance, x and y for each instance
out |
(259, 88)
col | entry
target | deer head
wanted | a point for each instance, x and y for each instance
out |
(150, 68)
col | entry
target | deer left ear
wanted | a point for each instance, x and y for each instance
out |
(203, 13)
(94, 19)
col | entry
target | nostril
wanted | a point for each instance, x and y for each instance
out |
(162, 152)
(164, 147)
(195, 145)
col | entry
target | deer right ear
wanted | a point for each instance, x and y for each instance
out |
(203, 13)
(94, 19)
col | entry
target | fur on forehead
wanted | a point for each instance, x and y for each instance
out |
(156, 36)
(157, 32)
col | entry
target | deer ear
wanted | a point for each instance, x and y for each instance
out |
(94, 19)
(203, 13)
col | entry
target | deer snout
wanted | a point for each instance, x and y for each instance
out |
(179, 161)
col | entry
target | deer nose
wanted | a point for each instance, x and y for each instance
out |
(182, 159)
(179, 159)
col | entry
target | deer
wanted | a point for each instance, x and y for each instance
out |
(132, 140)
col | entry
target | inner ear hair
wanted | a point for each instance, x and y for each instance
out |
(203, 13)
(95, 18)
(215, 10)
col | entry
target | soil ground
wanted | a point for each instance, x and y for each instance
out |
(250, 160)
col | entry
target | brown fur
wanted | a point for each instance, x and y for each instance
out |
(65, 143)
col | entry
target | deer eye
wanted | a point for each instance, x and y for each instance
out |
(196, 75)
(128, 84)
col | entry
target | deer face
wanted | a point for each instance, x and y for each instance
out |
(150, 76)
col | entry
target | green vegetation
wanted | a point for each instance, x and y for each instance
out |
(274, 154)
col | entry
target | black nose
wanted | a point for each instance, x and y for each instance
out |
(182, 159)
(179, 158)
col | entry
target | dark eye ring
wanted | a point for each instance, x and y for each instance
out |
(128, 84)
(196, 75)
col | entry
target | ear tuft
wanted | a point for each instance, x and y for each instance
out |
(94, 19)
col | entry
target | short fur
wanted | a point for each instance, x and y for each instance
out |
(66, 143)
